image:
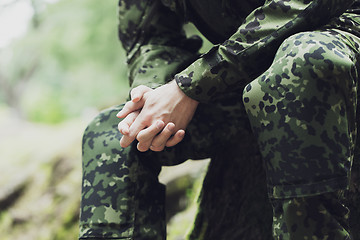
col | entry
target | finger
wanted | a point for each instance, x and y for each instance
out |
(128, 108)
(160, 140)
(124, 125)
(146, 136)
(178, 137)
(139, 124)
(138, 92)
(126, 140)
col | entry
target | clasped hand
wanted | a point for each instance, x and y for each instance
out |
(156, 118)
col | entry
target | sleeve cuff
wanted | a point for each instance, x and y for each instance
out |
(211, 78)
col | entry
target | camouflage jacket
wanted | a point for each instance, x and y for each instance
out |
(245, 34)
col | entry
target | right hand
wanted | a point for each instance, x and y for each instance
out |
(154, 137)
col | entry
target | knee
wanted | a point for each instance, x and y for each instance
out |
(305, 63)
(102, 130)
(319, 55)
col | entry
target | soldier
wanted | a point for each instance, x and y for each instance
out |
(290, 67)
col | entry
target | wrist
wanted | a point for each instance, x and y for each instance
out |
(181, 93)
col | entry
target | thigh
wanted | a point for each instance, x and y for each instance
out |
(302, 110)
(121, 195)
(211, 128)
(112, 203)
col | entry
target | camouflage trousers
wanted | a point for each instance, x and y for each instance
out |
(302, 111)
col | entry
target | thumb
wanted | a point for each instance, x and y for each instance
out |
(129, 107)
(138, 93)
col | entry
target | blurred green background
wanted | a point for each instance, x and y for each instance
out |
(67, 62)
(55, 75)
(62, 69)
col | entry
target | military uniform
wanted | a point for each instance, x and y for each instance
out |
(290, 67)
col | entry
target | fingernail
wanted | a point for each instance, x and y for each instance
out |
(118, 114)
(159, 124)
(134, 96)
(135, 99)
(171, 126)
(182, 133)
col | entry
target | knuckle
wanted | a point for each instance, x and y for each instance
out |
(140, 137)
(168, 132)
(157, 148)
(123, 143)
(127, 104)
(169, 144)
(132, 135)
(156, 144)
(142, 148)
(146, 119)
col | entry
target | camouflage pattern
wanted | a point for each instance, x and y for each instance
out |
(301, 106)
(302, 110)
(228, 66)
(318, 217)
(154, 58)
(113, 180)
(121, 195)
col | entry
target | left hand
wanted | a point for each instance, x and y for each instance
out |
(166, 104)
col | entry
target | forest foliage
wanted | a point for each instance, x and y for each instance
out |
(69, 61)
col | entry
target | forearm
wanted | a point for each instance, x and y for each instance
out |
(227, 67)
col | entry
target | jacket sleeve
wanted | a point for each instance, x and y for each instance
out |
(229, 66)
(154, 41)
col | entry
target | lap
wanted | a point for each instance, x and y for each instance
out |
(212, 127)
(215, 125)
